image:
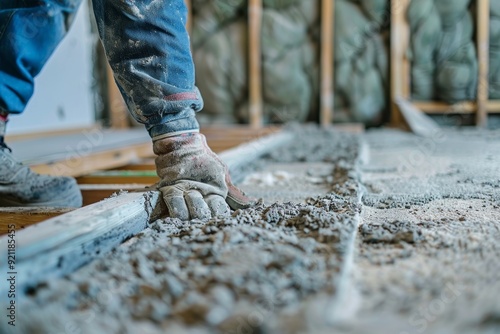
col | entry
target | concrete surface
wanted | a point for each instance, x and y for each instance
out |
(428, 245)
(401, 237)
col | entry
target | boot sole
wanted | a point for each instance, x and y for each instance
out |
(68, 200)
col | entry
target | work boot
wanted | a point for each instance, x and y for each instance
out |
(20, 186)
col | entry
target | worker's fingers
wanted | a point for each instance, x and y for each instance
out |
(237, 199)
(176, 204)
(218, 206)
(197, 207)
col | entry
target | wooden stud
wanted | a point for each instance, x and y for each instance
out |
(327, 62)
(444, 108)
(494, 106)
(483, 40)
(400, 65)
(120, 177)
(255, 63)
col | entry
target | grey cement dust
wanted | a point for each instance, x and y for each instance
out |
(428, 245)
(272, 268)
(426, 249)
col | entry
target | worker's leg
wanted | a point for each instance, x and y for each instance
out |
(149, 51)
(29, 32)
(148, 48)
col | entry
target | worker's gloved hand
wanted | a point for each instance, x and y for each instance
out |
(195, 183)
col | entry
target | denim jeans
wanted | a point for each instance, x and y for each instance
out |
(146, 44)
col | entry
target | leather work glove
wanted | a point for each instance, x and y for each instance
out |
(194, 181)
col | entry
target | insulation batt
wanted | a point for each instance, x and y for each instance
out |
(443, 52)
(495, 50)
(290, 59)
(360, 62)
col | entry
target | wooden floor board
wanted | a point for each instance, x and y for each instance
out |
(20, 218)
(125, 177)
(93, 193)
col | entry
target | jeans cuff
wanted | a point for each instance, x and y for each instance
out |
(178, 125)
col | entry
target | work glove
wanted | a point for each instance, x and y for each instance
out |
(195, 183)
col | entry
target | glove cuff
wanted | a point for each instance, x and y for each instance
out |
(173, 134)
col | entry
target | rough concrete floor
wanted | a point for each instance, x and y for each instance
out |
(428, 247)
(406, 242)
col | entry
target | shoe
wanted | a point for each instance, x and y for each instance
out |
(20, 186)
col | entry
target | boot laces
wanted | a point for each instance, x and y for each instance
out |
(4, 146)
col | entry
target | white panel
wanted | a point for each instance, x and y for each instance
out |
(63, 96)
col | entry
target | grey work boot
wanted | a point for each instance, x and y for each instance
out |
(20, 186)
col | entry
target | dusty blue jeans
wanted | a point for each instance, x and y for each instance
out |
(145, 41)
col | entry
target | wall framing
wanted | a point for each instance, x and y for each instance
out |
(481, 107)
